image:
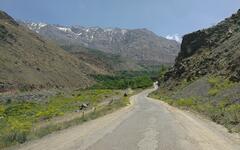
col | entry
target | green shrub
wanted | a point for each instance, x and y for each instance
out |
(15, 131)
(232, 114)
(189, 102)
(213, 92)
(48, 114)
(2, 111)
(218, 84)
(124, 80)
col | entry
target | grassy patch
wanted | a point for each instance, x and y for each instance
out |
(223, 112)
(19, 118)
(189, 102)
(101, 111)
(218, 84)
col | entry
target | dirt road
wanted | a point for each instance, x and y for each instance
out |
(147, 124)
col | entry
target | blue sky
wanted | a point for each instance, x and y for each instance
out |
(164, 17)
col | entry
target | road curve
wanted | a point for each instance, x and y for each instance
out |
(147, 124)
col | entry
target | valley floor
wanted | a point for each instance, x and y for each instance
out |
(146, 124)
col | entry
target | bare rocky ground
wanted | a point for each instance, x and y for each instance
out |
(35, 95)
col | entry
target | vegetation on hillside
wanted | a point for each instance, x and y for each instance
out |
(211, 51)
(124, 80)
(206, 74)
(220, 105)
(218, 84)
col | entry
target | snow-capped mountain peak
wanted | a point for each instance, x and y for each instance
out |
(137, 44)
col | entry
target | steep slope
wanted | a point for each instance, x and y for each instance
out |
(107, 62)
(210, 51)
(140, 45)
(29, 62)
(206, 75)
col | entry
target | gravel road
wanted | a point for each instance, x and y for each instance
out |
(146, 124)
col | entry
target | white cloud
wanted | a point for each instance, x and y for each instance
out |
(175, 37)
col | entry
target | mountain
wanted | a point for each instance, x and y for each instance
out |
(212, 51)
(107, 62)
(28, 61)
(139, 45)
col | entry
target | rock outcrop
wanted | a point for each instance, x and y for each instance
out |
(215, 51)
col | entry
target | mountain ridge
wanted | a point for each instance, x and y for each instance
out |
(29, 62)
(140, 45)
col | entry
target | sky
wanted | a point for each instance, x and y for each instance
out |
(168, 18)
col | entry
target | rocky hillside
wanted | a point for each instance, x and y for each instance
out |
(140, 45)
(28, 62)
(206, 74)
(106, 62)
(214, 51)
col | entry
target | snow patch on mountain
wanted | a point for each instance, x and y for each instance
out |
(124, 31)
(36, 26)
(175, 37)
(64, 29)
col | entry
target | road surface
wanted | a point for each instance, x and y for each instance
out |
(147, 124)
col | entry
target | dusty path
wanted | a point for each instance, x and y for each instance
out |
(146, 125)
